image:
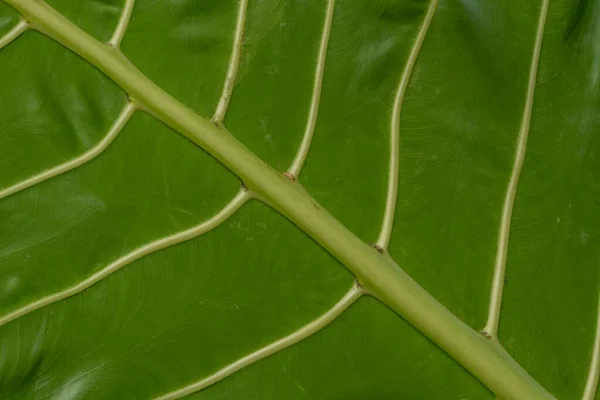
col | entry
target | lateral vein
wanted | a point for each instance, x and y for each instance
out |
(491, 327)
(14, 33)
(117, 126)
(316, 94)
(234, 63)
(591, 385)
(138, 253)
(307, 330)
(394, 168)
(119, 33)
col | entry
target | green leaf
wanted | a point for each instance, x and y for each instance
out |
(456, 137)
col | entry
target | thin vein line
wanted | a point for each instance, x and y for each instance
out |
(591, 385)
(307, 330)
(14, 33)
(491, 327)
(138, 253)
(119, 123)
(119, 33)
(234, 63)
(316, 94)
(392, 193)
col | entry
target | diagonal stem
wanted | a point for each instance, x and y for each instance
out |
(379, 273)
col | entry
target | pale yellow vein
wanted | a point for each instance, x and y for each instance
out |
(309, 131)
(14, 33)
(119, 123)
(138, 253)
(234, 63)
(591, 385)
(394, 167)
(307, 330)
(119, 33)
(491, 327)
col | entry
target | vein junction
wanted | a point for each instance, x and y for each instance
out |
(117, 37)
(381, 274)
(125, 115)
(235, 204)
(112, 133)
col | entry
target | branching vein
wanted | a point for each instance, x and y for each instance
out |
(234, 63)
(118, 125)
(392, 192)
(307, 330)
(384, 278)
(356, 291)
(591, 385)
(138, 253)
(491, 328)
(298, 162)
(117, 37)
(120, 122)
(14, 33)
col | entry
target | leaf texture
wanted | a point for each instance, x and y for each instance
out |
(134, 265)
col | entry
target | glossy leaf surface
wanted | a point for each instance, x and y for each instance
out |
(133, 317)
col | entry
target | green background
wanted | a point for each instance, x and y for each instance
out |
(178, 315)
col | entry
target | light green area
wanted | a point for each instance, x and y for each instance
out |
(182, 313)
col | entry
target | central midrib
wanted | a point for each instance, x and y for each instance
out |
(379, 273)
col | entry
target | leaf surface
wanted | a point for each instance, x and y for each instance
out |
(143, 269)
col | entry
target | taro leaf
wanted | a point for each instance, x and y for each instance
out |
(133, 266)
